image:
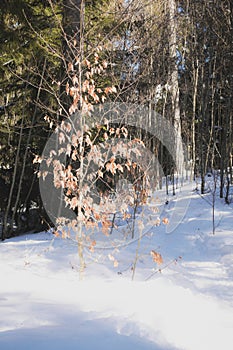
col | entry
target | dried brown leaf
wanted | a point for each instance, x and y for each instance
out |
(157, 257)
(165, 221)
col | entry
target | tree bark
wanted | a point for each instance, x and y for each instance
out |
(174, 82)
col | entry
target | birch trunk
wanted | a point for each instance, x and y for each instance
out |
(174, 83)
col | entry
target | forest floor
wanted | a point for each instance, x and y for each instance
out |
(184, 303)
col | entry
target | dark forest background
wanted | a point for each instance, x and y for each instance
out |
(174, 56)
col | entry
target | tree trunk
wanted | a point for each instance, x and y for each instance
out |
(174, 82)
(73, 24)
(195, 77)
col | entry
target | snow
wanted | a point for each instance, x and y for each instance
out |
(188, 305)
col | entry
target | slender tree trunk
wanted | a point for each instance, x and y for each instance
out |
(201, 124)
(73, 25)
(227, 190)
(210, 157)
(193, 132)
(174, 82)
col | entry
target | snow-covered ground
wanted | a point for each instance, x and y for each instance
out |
(188, 305)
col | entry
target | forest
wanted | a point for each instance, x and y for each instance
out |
(68, 67)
